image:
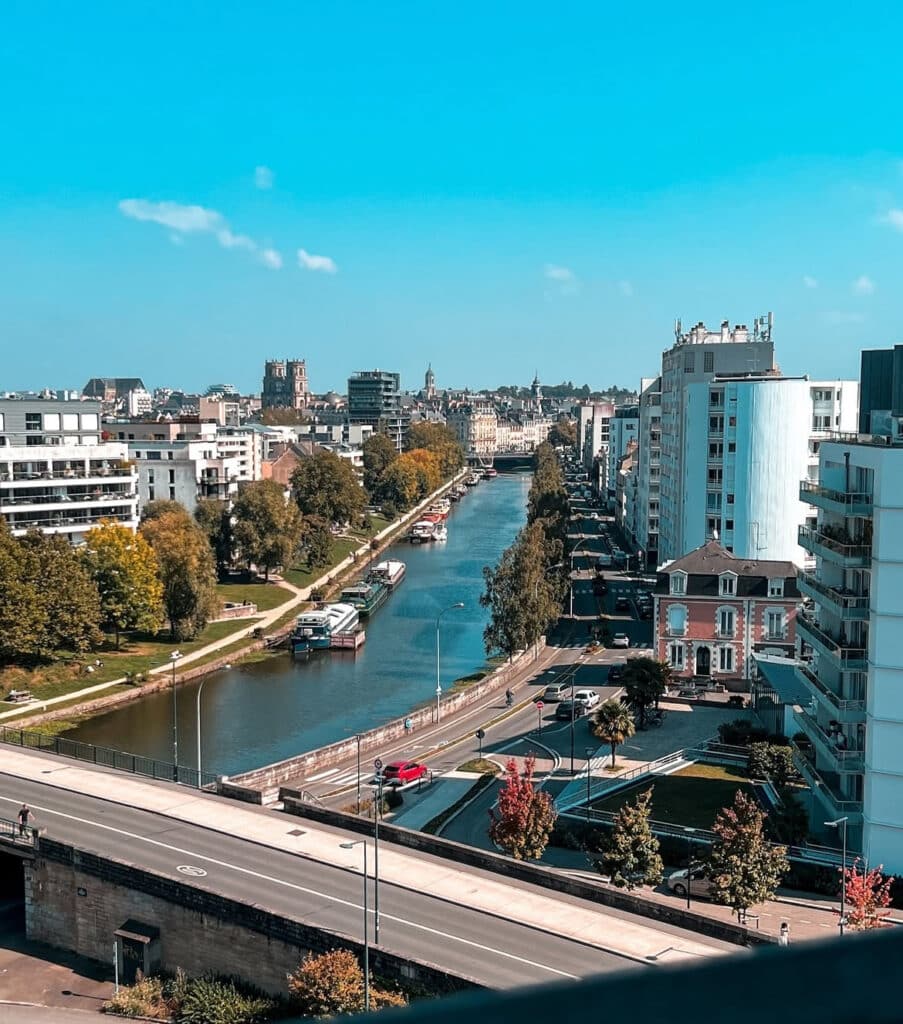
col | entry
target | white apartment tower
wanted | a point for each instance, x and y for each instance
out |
(648, 469)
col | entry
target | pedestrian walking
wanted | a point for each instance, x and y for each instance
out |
(784, 936)
(24, 815)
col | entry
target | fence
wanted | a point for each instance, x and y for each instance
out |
(18, 835)
(135, 764)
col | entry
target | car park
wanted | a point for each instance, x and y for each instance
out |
(698, 884)
(620, 640)
(600, 587)
(556, 691)
(568, 710)
(399, 772)
(588, 698)
(616, 671)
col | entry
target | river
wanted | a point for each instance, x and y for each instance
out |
(264, 711)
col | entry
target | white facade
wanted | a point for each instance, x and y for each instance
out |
(623, 428)
(245, 447)
(475, 427)
(855, 675)
(184, 471)
(648, 470)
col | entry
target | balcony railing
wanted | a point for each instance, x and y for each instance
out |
(848, 554)
(822, 786)
(8, 500)
(70, 522)
(69, 474)
(841, 760)
(846, 711)
(850, 658)
(844, 502)
(847, 604)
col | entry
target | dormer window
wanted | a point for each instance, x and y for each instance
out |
(775, 588)
(727, 584)
(678, 583)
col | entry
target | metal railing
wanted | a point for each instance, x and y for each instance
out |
(821, 786)
(847, 499)
(809, 537)
(845, 600)
(838, 703)
(18, 835)
(840, 647)
(845, 759)
(134, 764)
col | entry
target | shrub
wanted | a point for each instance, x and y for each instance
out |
(768, 760)
(213, 1000)
(143, 999)
(390, 510)
(740, 733)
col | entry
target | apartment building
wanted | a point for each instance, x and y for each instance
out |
(475, 425)
(713, 611)
(374, 398)
(648, 470)
(57, 474)
(623, 432)
(593, 442)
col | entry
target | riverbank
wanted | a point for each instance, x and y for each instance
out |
(230, 642)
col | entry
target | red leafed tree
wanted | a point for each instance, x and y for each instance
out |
(868, 896)
(523, 821)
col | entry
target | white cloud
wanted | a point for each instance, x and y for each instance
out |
(863, 285)
(177, 216)
(809, 282)
(263, 177)
(556, 273)
(837, 318)
(625, 288)
(270, 258)
(894, 218)
(308, 261)
(229, 240)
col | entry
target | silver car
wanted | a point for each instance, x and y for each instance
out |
(699, 883)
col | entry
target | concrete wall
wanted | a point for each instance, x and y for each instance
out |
(270, 777)
(76, 900)
(532, 873)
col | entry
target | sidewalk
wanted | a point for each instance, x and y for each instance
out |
(615, 933)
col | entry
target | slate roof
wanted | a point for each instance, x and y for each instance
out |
(705, 564)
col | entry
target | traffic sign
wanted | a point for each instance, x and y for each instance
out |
(539, 705)
(480, 734)
(378, 764)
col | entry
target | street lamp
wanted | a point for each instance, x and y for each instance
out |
(689, 832)
(457, 604)
(589, 763)
(350, 846)
(198, 720)
(841, 823)
(174, 657)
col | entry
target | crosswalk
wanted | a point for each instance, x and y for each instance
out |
(339, 778)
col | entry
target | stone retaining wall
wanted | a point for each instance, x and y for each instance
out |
(271, 776)
(536, 874)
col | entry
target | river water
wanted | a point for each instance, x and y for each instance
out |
(265, 711)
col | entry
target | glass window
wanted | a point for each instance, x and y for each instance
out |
(89, 421)
(726, 622)
(708, 362)
(775, 624)
(775, 588)
(728, 585)
(678, 583)
(676, 655)
(677, 620)
(726, 659)
(70, 421)
(32, 421)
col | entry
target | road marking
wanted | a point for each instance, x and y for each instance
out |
(190, 869)
(307, 891)
(322, 775)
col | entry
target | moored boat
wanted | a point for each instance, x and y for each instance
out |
(422, 531)
(314, 629)
(365, 595)
(490, 472)
(440, 532)
(391, 572)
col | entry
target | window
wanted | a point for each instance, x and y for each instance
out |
(677, 620)
(678, 583)
(708, 362)
(169, 455)
(52, 421)
(151, 493)
(775, 588)
(726, 620)
(774, 624)
(727, 584)
(172, 494)
(150, 477)
(716, 450)
(730, 499)
(172, 476)
(716, 424)
(731, 447)
(728, 524)
(676, 655)
(732, 421)
(32, 421)
(154, 455)
(711, 527)
(70, 421)
(726, 659)
(689, 362)
(89, 421)
(821, 422)
(716, 398)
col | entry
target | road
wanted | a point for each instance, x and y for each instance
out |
(497, 952)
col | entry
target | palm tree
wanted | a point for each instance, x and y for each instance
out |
(613, 723)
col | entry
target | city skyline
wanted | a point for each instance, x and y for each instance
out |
(489, 194)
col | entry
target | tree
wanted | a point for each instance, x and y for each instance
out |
(441, 441)
(868, 896)
(744, 868)
(772, 761)
(325, 485)
(525, 817)
(23, 612)
(125, 569)
(426, 467)
(379, 454)
(186, 571)
(564, 432)
(215, 519)
(631, 857)
(645, 681)
(613, 724)
(267, 528)
(283, 417)
(158, 507)
(333, 983)
(399, 485)
(316, 542)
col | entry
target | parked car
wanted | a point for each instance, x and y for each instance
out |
(616, 671)
(569, 710)
(622, 604)
(555, 691)
(399, 772)
(620, 640)
(588, 698)
(645, 611)
(699, 883)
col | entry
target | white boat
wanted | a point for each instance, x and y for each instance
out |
(422, 531)
(440, 532)
(391, 572)
(314, 629)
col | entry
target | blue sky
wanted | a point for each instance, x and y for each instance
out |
(495, 188)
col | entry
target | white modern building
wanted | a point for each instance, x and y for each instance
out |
(648, 470)
(57, 474)
(623, 430)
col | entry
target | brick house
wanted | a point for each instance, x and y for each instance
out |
(713, 609)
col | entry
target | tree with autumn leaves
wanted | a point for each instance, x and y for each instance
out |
(522, 822)
(333, 983)
(867, 896)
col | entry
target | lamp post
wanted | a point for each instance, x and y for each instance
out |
(174, 657)
(457, 604)
(689, 832)
(376, 817)
(589, 763)
(841, 823)
(198, 720)
(358, 738)
(350, 846)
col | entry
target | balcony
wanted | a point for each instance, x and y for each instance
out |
(844, 603)
(842, 653)
(825, 785)
(841, 502)
(847, 712)
(849, 555)
(840, 761)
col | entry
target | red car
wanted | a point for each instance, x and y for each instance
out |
(404, 771)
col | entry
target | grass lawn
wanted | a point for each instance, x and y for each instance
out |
(483, 766)
(265, 595)
(692, 796)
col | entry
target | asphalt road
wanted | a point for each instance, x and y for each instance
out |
(494, 951)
